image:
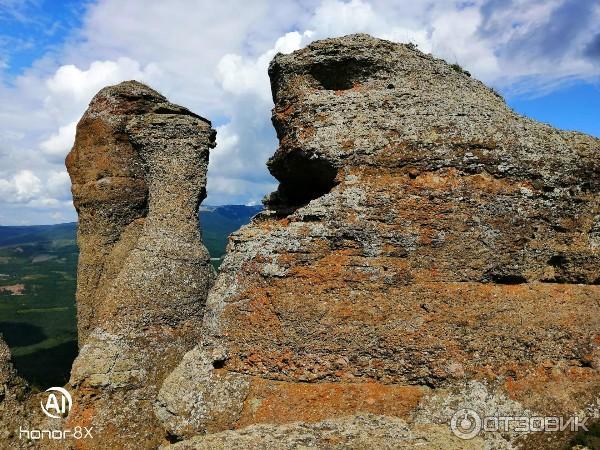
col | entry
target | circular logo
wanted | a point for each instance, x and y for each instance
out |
(58, 403)
(465, 423)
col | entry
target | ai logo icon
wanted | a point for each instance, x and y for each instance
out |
(58, 403)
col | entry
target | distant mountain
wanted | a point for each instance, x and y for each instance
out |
(36, 233)
(38, 266)
(218, 222)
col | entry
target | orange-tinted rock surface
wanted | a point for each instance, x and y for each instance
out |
(138, 169)
(427, 249)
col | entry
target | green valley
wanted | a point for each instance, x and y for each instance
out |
(38, 267)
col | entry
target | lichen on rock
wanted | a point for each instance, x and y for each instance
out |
(13, 393)
(423, 236)
(138, 169)
(427, 250)
(360, 432)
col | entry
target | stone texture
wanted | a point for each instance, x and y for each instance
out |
(138, 168)
(13, 394)
(360, 432)
(423, 236)
(6, 369)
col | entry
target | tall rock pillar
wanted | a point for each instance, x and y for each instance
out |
(138, 169)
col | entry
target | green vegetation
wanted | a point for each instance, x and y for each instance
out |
(458, 68)
(218, 222)
(38, 267)
(39, 324)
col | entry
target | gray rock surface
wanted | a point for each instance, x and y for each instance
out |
(423, 236)
(361, 432)
(13, 393)
(138, 169)
(427, 250)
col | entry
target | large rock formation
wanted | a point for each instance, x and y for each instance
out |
(7, 371)
(138, 169)
(364, 431)
(427, 249)
(13, 390)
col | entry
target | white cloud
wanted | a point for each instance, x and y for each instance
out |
(338, 18)
(58, 185)
(40, 117)
(457, 44)
(70, 89)
(334, 17)
(215, 62)
(26, 185)
(44, 202)
(26, 188)
(239, 75)
(58, 217)
(80, 85)
(59, 144)
(22, 187)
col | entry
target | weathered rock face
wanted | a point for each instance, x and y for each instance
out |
(6, 369)
(361, 432)
(424, 237)
(13, 391)
(138, 169)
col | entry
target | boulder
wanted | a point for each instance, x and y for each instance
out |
(13, 394)
(138, 169)
(360, 432)
(427, 249)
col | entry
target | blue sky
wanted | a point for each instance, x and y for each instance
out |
(572, 107)
(30, 30)
(542, 55)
